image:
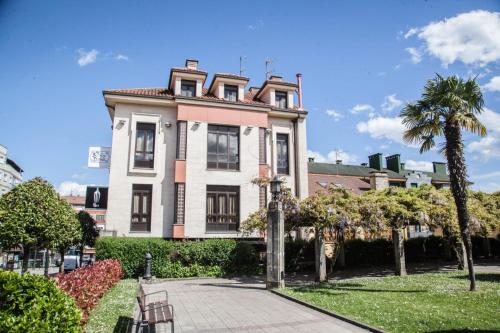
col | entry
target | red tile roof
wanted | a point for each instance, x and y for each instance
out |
(74, 200)
(320, 183)
(167, 93)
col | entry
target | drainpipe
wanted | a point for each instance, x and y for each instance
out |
(296, 154)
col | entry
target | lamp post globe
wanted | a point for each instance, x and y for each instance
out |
(275, 187)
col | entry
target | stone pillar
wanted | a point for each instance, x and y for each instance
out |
(275, 246)
(379, 180)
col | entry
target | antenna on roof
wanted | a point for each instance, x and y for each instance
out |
(242, 69)
(269, 71)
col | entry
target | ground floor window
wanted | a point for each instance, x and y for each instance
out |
(141, 207)
(223, 204)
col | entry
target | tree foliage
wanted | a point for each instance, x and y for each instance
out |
(29, 215)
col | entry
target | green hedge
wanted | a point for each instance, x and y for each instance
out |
(33, 303)
(215, 257)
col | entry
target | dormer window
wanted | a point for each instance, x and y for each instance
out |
(280, 99)
(188, 88)
(230, 92)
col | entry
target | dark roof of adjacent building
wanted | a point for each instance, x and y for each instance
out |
(364, 171)
(321, 182)
(349, 170)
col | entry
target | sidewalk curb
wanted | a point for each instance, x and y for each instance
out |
(327, 312)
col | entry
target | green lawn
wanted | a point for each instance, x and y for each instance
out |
(435, 302)
(115, 309)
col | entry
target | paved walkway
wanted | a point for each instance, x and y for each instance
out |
(239, 305)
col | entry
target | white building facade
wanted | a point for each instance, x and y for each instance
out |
(184, 156)
(10, 173)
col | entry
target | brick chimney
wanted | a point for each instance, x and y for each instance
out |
(379, 180)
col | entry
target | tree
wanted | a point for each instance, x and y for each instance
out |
(69, 232)
(442, 214)
(448, 106)
(89, 232)
(484, 216)
(396, 208)
(332, 214)
(257, 221)
(316, 212)
(28, 215)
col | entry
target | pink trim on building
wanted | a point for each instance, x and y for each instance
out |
(224, 116)
(180, 171)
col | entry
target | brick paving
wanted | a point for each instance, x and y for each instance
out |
(238, 305)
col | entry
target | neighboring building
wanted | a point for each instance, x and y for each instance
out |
(78, 204)
(362, 178)
(11, 174)
(183, 156)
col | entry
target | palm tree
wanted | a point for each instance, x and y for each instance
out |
(448, 106)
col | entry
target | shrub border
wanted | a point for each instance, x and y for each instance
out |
(328, 312)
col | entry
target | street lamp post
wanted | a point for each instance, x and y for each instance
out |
(275, 238)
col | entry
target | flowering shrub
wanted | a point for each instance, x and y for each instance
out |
(87, 285)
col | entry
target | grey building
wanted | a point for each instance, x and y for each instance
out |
(10, 172)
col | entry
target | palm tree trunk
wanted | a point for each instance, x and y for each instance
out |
(399, 251)
(458, 180)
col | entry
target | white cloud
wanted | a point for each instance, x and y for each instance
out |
(383, 128)
(72, 188)
(416, 55)
(334, 114)
(410, 33)
(493, 85)
(418, 165)
(87, 58)
(120, 56)
(472, 38)
(390, 103)
(79, 175)
(494, 174)
(358, 108)
(490, 119)
(332, 157)
(258, 25)
(487, 187)
(488, 147)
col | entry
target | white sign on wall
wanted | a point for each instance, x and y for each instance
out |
(99, 157)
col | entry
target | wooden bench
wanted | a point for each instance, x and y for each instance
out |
(154, 312)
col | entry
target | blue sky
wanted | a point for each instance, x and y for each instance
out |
(360, 60)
